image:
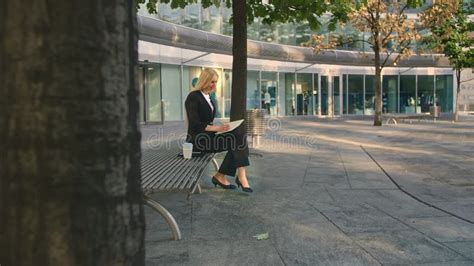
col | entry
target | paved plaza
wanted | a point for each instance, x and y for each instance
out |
(330, 192)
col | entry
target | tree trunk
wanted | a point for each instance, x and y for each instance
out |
(239, 64)
(458, 92)
(378, 91)
(69, 171)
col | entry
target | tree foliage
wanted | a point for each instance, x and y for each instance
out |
(450, 28)
(273, 10)
(391, 35)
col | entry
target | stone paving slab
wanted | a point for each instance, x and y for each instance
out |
(328, 202)
(406, 247)
(466, 248)
(444, 229)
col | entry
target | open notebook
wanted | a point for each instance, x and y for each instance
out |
(233, 125)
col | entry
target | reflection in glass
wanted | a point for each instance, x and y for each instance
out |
(281, 94)
(444, 92)
(425, 95)
(389, 94)
(289, 89)
(141, 97)
(216, 20)
(269, 89)
(153, 92)
(227, 91)
(171, 92)
(337, 96)
(253, 92)
(324, 95)
(356, 97)
(369, 95)
(315, 94)
(304, 85)
(408, 94)
(344, 94)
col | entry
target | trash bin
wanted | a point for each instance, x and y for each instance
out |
(255, 122)
(435, 111)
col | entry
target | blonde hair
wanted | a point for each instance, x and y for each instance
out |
(205, 78)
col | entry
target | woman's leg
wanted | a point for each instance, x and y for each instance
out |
(235, 143)
(242, 175)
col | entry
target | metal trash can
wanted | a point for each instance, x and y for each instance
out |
(255, 122)
(435, 111)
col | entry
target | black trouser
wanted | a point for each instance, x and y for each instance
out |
(234, 142)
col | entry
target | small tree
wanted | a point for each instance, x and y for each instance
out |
(450, 26)
(391, 35)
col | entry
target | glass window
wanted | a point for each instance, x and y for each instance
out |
(211, 19)
(425, 97)
(369, 95)
(304, 87)
(141, 96)
(444, 92)
(324, 95)
(269, 84)
(389, 94)
(281, 94)
(171, 92)
(227, 91)
(344, 94)
(153, 93)
(289, 89)
(315, 94)
(356, 97)
(337, 96)
(253, 92)
(408, 94)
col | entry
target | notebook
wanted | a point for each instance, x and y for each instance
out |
(232, 125)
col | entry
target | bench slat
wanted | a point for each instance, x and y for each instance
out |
(159, 170)
(163, 169)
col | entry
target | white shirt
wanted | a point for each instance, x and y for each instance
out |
(208, 99)
(267, 98)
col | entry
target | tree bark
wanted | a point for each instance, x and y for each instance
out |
(378, 91)
(238, 104)
(458, 92)
(70, 190)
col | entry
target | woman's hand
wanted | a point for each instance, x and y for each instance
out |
(223, 127)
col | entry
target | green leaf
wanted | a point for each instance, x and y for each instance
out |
(263, 236)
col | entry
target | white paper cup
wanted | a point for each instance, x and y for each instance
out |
(187, 150)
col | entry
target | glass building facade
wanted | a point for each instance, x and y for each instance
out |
(216, 20)
(164, 87)
(166, 74)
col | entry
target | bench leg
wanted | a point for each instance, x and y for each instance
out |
(199, 189)
(192, 192)
(164, 212)
(216, 165)
(393, 120)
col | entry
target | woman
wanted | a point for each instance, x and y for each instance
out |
(200, 110)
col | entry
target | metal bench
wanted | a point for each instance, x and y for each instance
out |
(395, 119)
(166, 169)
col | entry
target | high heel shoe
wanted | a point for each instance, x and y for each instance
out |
(217, 182)
(244, 189)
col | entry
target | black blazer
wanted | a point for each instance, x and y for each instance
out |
(199, 114)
